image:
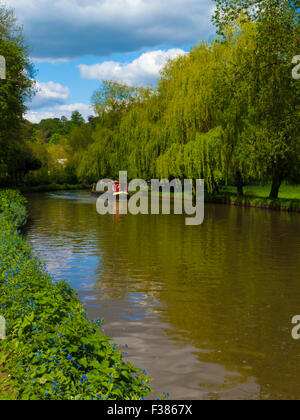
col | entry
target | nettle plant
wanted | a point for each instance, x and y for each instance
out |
(13, 208)
(52, 350)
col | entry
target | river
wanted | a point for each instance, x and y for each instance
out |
(206, 310)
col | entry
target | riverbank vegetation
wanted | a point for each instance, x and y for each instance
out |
(52, 351)
(54, 187)
(227, 112)
(257, 196)
(231, 198)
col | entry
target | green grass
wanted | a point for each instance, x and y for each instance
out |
(258, 196)
(288, 192)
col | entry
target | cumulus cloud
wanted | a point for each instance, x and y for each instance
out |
(59, 111)
(142, 71)
(76, 28)
(49, 94)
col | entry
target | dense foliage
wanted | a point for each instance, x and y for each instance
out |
(16, 158)
(270, 133)
(228, 112)
(52, 350)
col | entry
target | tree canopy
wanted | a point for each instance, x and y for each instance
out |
(14, 90)
(228, 111)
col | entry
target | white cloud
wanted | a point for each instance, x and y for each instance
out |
(50, 60)
(142, 71)
(59, 111)
(76, 28)
(49, 94)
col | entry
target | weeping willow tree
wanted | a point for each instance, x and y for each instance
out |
(211, 115)
(205, 109)
(231, 86)
(187, 96)
(121, 133)
(97, 161)
(205, 158)
(175, 131)
(171, 164)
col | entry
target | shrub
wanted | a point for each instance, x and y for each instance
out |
(12, 208)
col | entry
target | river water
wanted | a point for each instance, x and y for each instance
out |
(205, 310)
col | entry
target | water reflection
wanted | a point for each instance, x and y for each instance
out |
(207, 309)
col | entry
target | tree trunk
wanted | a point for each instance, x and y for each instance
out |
(276, 183)
(239, 184)
(215, 187)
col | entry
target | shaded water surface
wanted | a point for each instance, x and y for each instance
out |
(205, 310)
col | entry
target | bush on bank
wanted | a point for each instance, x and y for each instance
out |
(56, 187)
(52, 350)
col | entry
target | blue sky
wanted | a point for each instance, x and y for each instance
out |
(77, 43)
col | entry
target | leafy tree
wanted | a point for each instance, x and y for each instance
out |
(80, 137)
(50, 127)
(14, 91)
(112, 98)
(94, 164)
(227, 112)
(54, 139)
(228, 11)
(20, 161)
(271, 139)
(77, 119)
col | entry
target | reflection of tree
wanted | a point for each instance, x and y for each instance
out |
(229, 287)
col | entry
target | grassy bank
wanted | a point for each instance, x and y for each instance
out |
(286, 192)
(52, 350)
(257, 196)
